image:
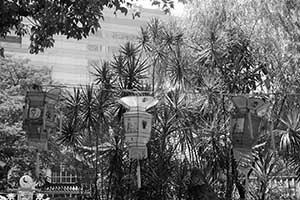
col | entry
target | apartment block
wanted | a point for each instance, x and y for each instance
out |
(71, 60)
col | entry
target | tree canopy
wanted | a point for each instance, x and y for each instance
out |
(73, 19)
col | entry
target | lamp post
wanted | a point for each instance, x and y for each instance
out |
(246, 121)
(39, 118)
(137, 124)
(246, 125)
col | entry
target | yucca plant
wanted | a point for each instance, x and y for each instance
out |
(104, 76)
(130, 67)
(157, 171)
(288, 135)
(266, 167)
(289, 132)
(71, 134)
(163, 44)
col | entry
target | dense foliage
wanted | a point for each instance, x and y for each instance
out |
(193, 66)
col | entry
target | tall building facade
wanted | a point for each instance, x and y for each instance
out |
(71, 60)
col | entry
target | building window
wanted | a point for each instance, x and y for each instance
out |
(123, 36)
(102, 48)
(92, 62)
(92, 47)
(55, 178)
(63, 176)
(99, 34)
(11, 39)
(112, 49)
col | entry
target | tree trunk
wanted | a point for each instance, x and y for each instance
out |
(241, 189)
(96, 166)
(235, 173)
(2, 52)
(229, 179)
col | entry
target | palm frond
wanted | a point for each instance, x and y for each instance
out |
(73, 107)
(70, 135)
(289, 132)
(104, 75)
(144, 40)
(88, 104)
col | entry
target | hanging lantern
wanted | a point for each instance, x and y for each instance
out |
(245, 130)
(252, 104)
(245, 122)
(137, 123)
(39, 116)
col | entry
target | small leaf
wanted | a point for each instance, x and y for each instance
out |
(129, 5)
(138, 14)
(156, 3)
(124, 10)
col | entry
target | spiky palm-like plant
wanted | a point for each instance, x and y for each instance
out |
(130, 67)
(71, 135)
(289, 132)
(288, 135)
(266, 167)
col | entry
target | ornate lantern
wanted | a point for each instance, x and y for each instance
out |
(246, 122)
(137, 123)
(39, 116)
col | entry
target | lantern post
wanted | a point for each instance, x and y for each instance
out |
(39, 118)
(137, 124)
(246, 121)
(246, 124)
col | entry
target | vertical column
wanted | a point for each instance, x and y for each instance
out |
(37, 169)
